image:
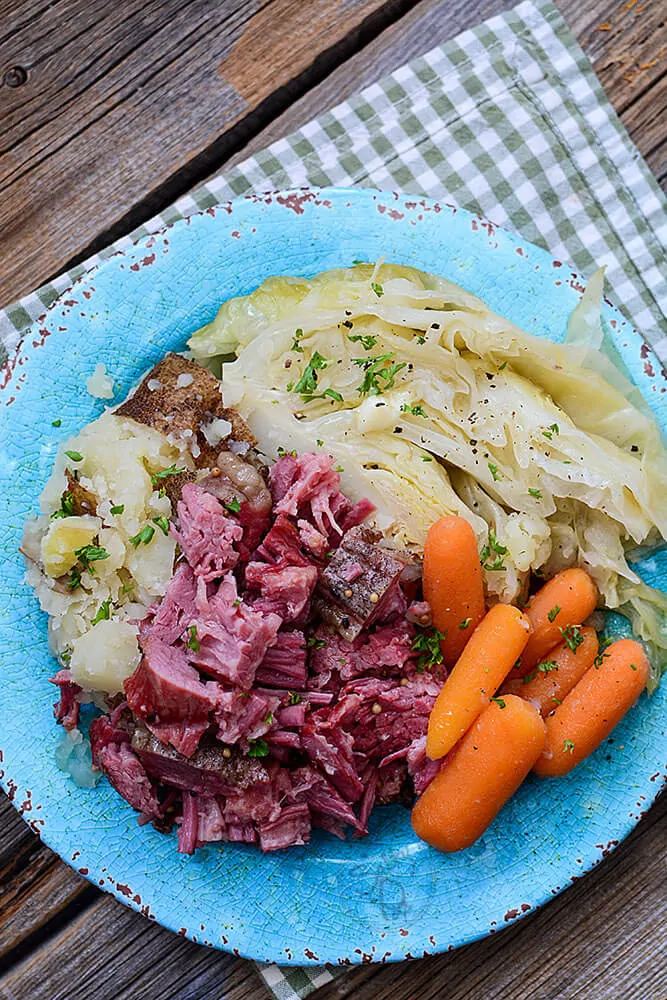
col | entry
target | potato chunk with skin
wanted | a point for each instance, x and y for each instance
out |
(104, 656)
(64, 536)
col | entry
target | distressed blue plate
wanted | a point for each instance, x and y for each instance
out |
(387, 897)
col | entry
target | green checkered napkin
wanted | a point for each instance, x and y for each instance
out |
(507, 120)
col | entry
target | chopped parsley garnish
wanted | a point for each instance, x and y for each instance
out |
(313, 643)
(597, 662)
(192, 641)
(568, 746)
(234, 505)
(374, 372)
(57, 422)
(426, 458)
(367, 340)
(281, 452)
(294, 698)
(545, 667)
(89, 554)
(572, 637)
(319, 443)
(66, 507)
(499, 702)
(493, 469)
(76, 456)
(268, 721)
(553, 429)
(553, 614)
(331, 393)
(171, 471)
(75, 579)
(378, 289)
(258, 748)
(535, 493)
(144, 536)
(632, 666)
(162, 523)
(416, 411)
(103, 612)
(307, 384)
(503, 366)
(427, 644)
(557, 700)
(339, 468)
(118, 508)
(464, 624)
(296, 346)
(493, 546)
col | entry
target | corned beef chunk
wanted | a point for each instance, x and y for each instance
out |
(114, 756)
(178, 607)
(290, 829)
(284, 663)
(363, 598)
(242, 715)
(334, 660)
(283, 545)
(66, 709)
(209, 771)
(331, 748)
(206, 534)
(183, 736)
(307, 487)
(231, 638)
(236, 482)
(165, 687)
(312, 787)
(421, 768)
(284, 590)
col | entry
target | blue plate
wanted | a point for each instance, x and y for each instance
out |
(389, 896)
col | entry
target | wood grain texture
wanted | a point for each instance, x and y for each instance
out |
(122, 97)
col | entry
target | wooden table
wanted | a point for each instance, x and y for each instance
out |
(108, 112)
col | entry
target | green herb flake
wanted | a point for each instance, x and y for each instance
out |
(377, 378)
(57, 422)
(74, 579)
(557, 700)
(162, 523)
(378, 289)
(76, 456)
(503, 366)
(118, 508)
(313, 643)
(294, 698)
(268, 721)
(103, 612)
(367, 340)
(499, 702)
(296, 346)
(568, 746)
(535, 493)
(171, 471)
(426, 458)
(319, 443)
(416, 411)
(632, 666)
(572, 636)
(493, 545)
(421, 339)
(328, 393)
(66, 506)
(192, 640)
(144, 536)
(553, 614)
(554, 428)
(493, 469)
(464, 624)
(258, 748)
(234, 505)
(548, 434)
(89, 554)
(428, 645)
(307, 384)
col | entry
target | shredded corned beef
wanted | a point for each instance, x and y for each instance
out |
(278, 689)
(66, 709)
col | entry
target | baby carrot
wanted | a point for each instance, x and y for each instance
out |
(480, 775)
(594, 706)
(483, 665)
(452, 581)
(546, 686)
(565, 601)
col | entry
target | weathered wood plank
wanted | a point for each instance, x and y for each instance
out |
(112, 953)
(122, 97)
(35, 885)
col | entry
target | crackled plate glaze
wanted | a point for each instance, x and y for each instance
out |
(389, 896)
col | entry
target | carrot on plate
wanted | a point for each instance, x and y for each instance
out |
(480, 775)
(452, 582)
(480, 670)
(593, 707)
(566, 600)
(553, 678)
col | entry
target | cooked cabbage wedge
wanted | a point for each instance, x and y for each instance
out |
(433, 404)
